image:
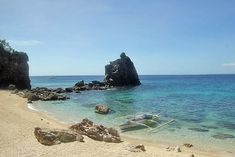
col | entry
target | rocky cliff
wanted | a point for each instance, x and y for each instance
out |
(121, 72)
(14, 68)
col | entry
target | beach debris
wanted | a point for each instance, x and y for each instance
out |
(175, 148)
(102, 109)
(199, 129)
(52, 137)
(222, 136)
(136, 148)
(188, 145)
(121, 72)
(96, 132)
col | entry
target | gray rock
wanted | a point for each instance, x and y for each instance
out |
(121, 72)
(52, 137)
(96, 132)
(102, 109)
(11, 87)
(80, 84)
(69, 90)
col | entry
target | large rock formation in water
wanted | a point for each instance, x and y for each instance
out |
(14, 68)
(121, 72)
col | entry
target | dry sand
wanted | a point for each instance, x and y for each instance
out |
(17, 124)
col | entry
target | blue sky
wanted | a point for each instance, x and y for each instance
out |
(78, 37)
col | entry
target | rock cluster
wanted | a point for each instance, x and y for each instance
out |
(52, 137)
(96, 132)
(14, 68)
(121, 72)
(42, 93)
(94, 85)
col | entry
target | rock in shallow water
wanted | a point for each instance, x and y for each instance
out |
(102, 109)
(51, 137)
(198, 129)
(121, 72)
(222, 136)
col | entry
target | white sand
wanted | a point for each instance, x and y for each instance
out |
(17, 124)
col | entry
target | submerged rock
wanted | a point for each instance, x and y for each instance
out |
(96, 132)
(51, 137)
(102, 109)
(222, 136)
(198, 129)
(121, 72)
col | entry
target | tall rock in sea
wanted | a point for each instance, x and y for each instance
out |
(14, 68)
(121, 72)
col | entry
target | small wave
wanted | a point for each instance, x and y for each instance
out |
(31, 107)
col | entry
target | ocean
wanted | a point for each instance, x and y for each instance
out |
(202, 106)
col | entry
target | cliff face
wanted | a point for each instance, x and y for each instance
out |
(14, 68)
(121, 72)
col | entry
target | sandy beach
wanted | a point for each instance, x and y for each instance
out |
(17, 124)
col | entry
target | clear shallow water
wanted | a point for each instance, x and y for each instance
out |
(202, 106)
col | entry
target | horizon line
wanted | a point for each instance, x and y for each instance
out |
(138, 75)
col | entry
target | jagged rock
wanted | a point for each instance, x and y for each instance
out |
(11, 87)
(96, 132)
(33, 97)
(80, 84)
(51, 137)
(121, 72)
(102, 109)
(136, 148)
(188, 145)
(42, 93)
(176, 149)
(94, 85)
(59, 90)
(69, 90)
(14, 67)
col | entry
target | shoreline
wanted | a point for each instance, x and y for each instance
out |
(20, 141)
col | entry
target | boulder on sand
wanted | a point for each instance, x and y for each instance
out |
(96, 132)
(52, 137)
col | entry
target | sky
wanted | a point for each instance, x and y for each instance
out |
(79, 37)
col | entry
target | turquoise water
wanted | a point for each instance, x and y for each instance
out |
(203, 107)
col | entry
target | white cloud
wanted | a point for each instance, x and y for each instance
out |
(228, 64)
(25, 42)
